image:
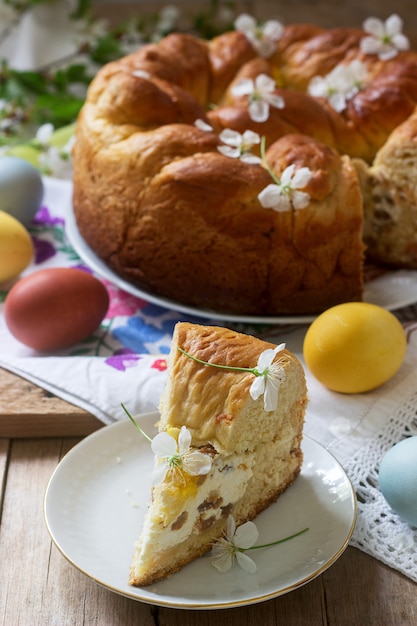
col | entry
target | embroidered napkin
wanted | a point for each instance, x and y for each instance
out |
(124, 361)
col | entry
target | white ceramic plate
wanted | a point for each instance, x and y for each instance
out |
(393, 290)
(97, 498)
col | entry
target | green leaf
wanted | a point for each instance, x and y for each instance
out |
(59, 110)
(61, 136)
(31, 81)
(26, 152)
(106, 49)
(81, 10)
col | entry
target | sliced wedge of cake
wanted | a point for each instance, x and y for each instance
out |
(231, 443)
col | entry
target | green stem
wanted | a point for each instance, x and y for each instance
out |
(275, 543)
(142, 432)
(251, 370)
(265, 162)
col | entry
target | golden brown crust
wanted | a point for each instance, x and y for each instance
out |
(202, 397)
(155, 199)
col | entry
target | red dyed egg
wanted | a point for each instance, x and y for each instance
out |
(55, 308)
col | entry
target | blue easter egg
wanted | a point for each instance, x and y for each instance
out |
(398, 479)
(21, 188)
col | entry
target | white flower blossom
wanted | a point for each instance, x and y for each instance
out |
(167, 19)
(263, 37)
(131, 39)
(54, 161)
(384, 38)
(231, 547)
(340, 85)
(57, 162)
(88, 32)
(268, 378)
(44, 134)
(177, 456)
(260, 94)
(281, 197)
(239, 146)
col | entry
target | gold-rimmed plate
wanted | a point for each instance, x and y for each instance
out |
(97, 497)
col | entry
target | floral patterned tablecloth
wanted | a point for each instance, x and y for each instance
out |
(124, 361)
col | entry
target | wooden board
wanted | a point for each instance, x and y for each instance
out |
(29, 411)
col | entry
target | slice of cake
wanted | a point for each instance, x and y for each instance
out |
(230, 454)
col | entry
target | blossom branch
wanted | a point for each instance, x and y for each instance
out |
(275, 543)
(253, 370)
(136, 425)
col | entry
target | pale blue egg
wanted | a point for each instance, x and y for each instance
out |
(21, 188)
(398, 479)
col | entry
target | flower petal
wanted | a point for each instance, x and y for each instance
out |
(231, 137)
(44, 133)
(257, 387)
(202, 125)
(271, 394)
(246, 535)
(370, 45)
(247, 157)
(265, 359)
(245, 23)
(393, 25)
(197, 463)
(317, 87)
(273, 29)
(184, 440)
(300, 199)
(159, 473)
(387, 53)
(163, 445)
(338, 102)
(243, 87)
(270, 196)
(228, 151)
(301, 177)
(141, 74)
(230, 527)
(259, 111)
(374, 26)
(264, 84)
(222, 562)
(283, 205)
(250, 138)
(287, 174)
(274, 100)
(246, 563)
(401, 42)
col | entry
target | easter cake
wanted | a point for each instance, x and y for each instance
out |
(245, 451)
(223, 174)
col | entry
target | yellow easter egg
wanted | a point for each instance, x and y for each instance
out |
(16, 247)
(354, 347)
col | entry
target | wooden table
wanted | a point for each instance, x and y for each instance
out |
(40, 588)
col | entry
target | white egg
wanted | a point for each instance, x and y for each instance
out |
(21, 188)
(398, 479)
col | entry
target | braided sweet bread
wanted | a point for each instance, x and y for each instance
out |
(169, 188)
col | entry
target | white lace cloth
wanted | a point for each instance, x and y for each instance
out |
(379, 531)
